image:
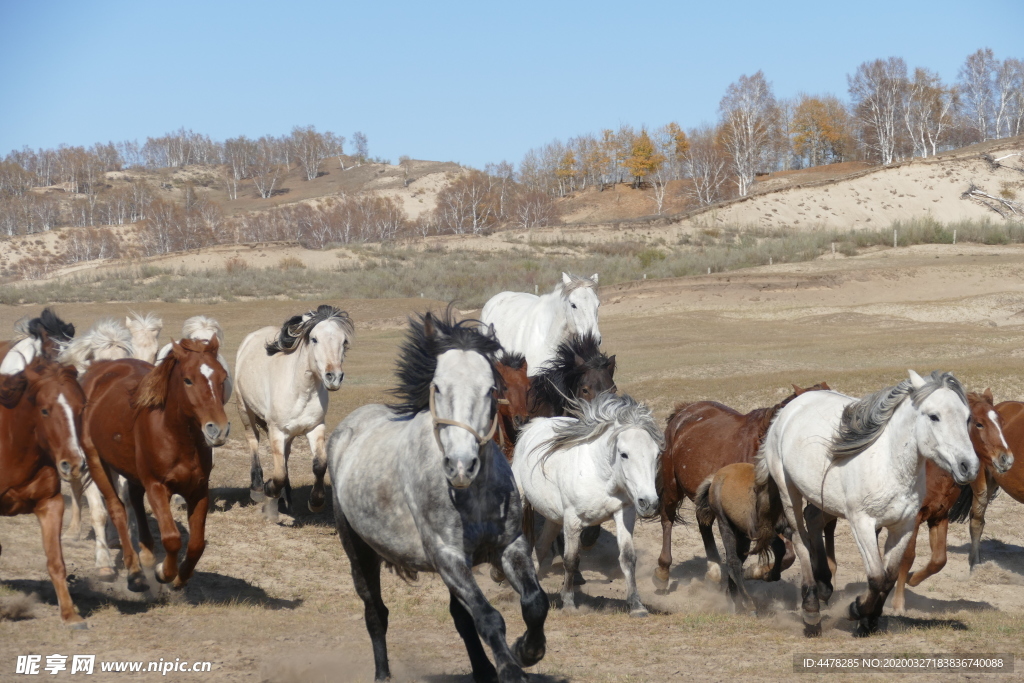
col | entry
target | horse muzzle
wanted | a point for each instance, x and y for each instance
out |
(646, 507)
(1003, 462)
(215, 434)
(68, 471)
(461, 472)
(966, 470)
(333, 380)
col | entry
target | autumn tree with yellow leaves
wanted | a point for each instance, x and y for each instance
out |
(643, 159)
(821, 130)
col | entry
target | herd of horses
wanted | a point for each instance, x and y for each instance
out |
(496, 421)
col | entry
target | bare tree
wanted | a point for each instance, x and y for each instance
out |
(310, 149)
(877, 91)
(976, 88)
(706, 165)
(928, 111)
(362, 146)
(749, 118)
(264, 168)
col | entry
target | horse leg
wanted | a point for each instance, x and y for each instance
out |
(571, 529)
(983, 490)
(547, 536)
(102, 477)
(882, 573)
(364, 563)
(50, 513)
(483, 670)
(518, 568)
(710, 548)
(170, 537)
(198, 506)
(661, 572)
(898, 599)
(315, 437)
(937, 533)
(136, 494)
(458, 576)
(816, 523)
(75, 527)
(98, 512)
(733, 562)
(780, 551)
(252, 437)
(792, 502)
(279, 442)
(625, 520)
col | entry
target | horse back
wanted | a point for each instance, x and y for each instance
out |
(109, 417)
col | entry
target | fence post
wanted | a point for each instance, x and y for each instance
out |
(894, 238)
(833, 251)
(536, 288)
(954, 237)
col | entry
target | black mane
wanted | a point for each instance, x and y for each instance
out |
(48, 324)
(417, 358)
(511, 359)
(560, 378)
(298, 327)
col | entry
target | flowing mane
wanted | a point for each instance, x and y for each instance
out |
(511, 359)
(149, 322)
(47, 325)
(105, 334)
(202, 327)
(559, 379)
(417, 357)
(152, 391)
(296, 329)
(608, 412)
(575, 282)
(863, 421)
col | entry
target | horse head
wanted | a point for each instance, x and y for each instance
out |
(326, 333)
(53, 402)
(513, 399)
(580, 303)
(986, 432)
(941, 418)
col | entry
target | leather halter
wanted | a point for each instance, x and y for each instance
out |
(440, 421)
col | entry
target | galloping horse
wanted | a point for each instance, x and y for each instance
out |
(584, 470)
(283, 379)
(105, 340)
(703, 437)
(40, 416)
(157, 427)
(864, 460)
(421, 486)
(202, 328)
(514, 401)
(746, 513)
(145, 331)
(534, 326)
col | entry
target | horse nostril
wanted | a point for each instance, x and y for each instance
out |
(65, 467)
(963, 468)
(211, 430)
(341, 377)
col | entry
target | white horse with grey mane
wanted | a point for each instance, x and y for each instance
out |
(203, 328)
(422, 486)
(284, 376)
(145, 331)
(864, 460)
(581, 471)
(534, 326)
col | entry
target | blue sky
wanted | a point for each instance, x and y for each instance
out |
(471, 82)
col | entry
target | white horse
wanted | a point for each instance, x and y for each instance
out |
(864, 460)
(582, 471)
(283, 378)
(534, 326)
(105, 340)
(203, 328)
(422, 486)
(145, 330)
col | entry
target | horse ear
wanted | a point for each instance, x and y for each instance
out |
(611, 366)
(579, 360)
(128, 321)
(988, 395)
(594, 278)
(797, 390)
(825, 387)
(491, 332)
(213, 345)
(428, 325)
(915, 379)
(566, 279)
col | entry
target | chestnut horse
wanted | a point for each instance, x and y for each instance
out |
(513, 401)
(40, 416)
(157, 426)
(702, 438)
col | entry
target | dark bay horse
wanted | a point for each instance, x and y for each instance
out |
(579, 370)
(747, 515)
(513, 400)
(40, 419)
(157, 427)
(702, 438)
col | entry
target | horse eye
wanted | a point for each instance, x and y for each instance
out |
(46, 413)
(188, 382)
(979, 425)
(934, 418)
(313, 339)
(624, 456)
(573, 305)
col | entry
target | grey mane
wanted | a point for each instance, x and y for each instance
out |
(863, 421)
(576, 283)
(608, 412)
(296, 329)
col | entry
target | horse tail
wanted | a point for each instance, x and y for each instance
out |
(961, 510)
(702, 503)
(767, 511)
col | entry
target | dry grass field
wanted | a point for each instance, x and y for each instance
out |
(275, 603)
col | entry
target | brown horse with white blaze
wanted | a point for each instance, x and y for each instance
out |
(702, 438)
(157, 427)
(40, 419)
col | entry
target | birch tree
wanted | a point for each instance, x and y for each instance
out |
(706, 164)
(877, 91)
(749, 116)
(976, 88)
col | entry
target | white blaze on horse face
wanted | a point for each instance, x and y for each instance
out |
(636, 461)
(463, 383)
(942, 435)
(581, 312)
(208, 374)
(995, 420)
(20, 355)
(328, 352)
(74, 446)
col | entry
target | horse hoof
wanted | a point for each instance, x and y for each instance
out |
(497, 576)
(257, 496)
(639, 612)
(106, 574)
(526, 655)
(160, 575)
(812, 630)
(660, 578)
(714, 573)
(80, 625)
(115, 544)
(853, 613)
(270, 510)
(137, 584)
(315, 508)
(178, 583)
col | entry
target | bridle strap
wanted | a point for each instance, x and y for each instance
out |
(440, 421)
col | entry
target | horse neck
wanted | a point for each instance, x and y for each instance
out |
(550, 305)
(900, 458)
(300, 369)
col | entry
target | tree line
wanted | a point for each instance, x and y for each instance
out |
(891, 114)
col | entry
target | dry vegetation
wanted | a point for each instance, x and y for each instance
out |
(284, 595)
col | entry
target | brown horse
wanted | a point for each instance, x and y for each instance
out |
(513, 401)
(579, 370)
(944, 500)
(157, 427)
(702, 438)
(745, 513)
(40, 417)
